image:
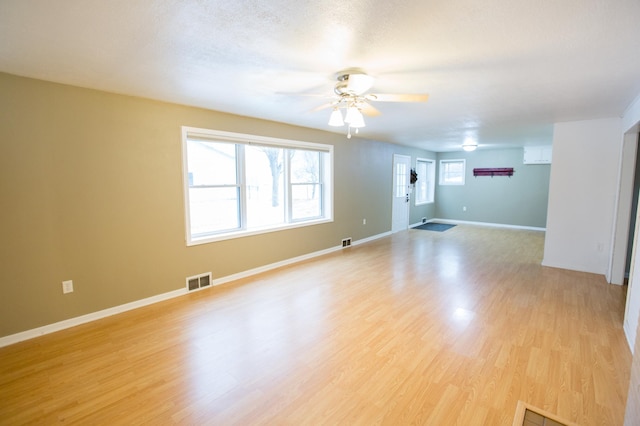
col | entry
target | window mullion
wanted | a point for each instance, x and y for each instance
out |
(242, 186)
(320, 182)
(287, 186)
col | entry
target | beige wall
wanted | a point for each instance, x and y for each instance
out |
(91, 190)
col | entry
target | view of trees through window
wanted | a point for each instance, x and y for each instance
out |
(265, 185)
(235, 186)
(305, 184)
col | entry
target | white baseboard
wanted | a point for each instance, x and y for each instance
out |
(72, 322)
(588, 268)
(375, 237)
(493, 225)
(630, 334)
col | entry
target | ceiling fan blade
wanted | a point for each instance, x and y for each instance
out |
(324, 106)
(310, 95)
(386, 97)
(369, 110)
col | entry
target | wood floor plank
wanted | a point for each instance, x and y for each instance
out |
(416, 328)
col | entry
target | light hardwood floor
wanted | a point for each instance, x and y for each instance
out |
(417, 328)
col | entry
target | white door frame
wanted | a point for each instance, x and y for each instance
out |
(632, 304)
(618, 255)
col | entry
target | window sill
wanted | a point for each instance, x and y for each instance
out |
(257, 231)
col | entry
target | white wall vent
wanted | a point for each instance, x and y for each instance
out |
(198, 282)
(346, 242)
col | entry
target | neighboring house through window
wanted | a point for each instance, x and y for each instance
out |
(452, 172)
(237, 185)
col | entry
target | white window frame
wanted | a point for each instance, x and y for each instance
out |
(246, 139)
(442, 171)
(431, 177)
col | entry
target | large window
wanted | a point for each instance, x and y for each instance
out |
(425, 184)
(237, 185)
(452, 172)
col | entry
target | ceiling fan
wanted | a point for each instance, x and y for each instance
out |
(351, 95)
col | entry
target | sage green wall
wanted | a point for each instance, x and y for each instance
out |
(91, 190)
(519, 200)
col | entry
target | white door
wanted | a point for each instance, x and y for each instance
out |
(401, 191)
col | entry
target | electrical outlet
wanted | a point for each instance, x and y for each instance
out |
(67, 287)
(364, 221)
(464, 209)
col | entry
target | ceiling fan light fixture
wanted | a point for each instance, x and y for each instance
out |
(354, 117)
(357, 121)
(352, 113)
(351, 90)
(335, 119)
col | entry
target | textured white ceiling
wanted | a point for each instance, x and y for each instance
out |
(501, 71)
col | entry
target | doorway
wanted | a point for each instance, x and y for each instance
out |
(625, 215)
(632, 305)
(624, 257)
